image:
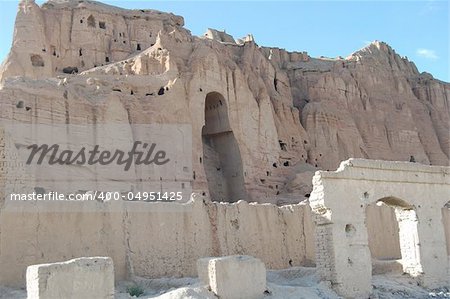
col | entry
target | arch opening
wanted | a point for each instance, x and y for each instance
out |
(392, 227)
(221, 155)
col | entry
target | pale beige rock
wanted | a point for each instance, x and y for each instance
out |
(220, 36)
(237, 277)
(289, 115)
(89, 278)
(79, 35)
(290, 109)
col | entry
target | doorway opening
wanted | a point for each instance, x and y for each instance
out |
(393, 238)
(383, 237)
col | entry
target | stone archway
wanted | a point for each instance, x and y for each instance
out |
(221, 155)
(339, 200)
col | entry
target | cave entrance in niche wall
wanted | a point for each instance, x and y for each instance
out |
(221, 155)
(408, 238)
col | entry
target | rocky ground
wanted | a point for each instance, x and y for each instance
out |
(296, 282)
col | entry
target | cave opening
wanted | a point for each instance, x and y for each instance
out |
(91, 21)
(221, 155)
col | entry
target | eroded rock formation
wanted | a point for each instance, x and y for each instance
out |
(285, 114)
(263, 121)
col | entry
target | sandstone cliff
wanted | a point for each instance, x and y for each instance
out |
(289, 114)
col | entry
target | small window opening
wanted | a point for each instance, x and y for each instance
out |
(91, 21)
(37, 61)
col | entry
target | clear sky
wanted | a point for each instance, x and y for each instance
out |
(417, 29)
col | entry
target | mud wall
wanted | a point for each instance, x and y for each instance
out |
(155, 239)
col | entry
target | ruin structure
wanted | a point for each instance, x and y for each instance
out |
(417, 193)
(262, 122)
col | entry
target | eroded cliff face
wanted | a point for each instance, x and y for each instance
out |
(289, 114)
(373, 104)
(72, 36)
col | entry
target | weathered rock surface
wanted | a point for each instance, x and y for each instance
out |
(89, 277)
(285, 109)
(289, 113)
(285, 115)
(234, 277)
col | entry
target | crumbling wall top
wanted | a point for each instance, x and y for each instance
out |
(390, 171)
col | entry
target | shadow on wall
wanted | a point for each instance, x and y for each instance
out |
(382, 230)
(221, 155)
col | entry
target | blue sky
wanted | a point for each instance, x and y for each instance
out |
(417, 29)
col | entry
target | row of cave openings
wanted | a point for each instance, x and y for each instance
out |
(283, 144)
(21, 104)
(222, 160)
(161, 91)
(38, 61)
(91, 22)
(284, 147)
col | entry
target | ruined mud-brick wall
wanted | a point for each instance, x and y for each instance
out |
(153, 239)
(165, 240)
